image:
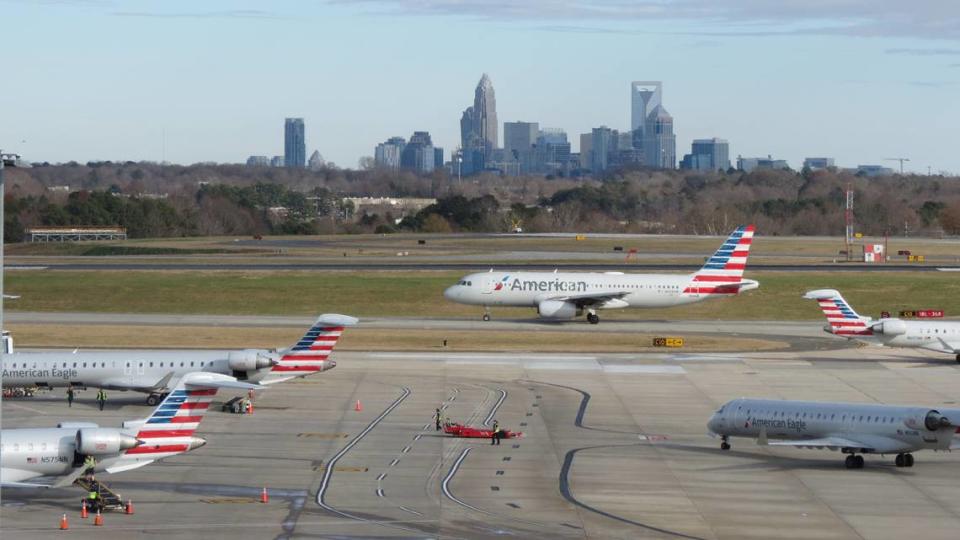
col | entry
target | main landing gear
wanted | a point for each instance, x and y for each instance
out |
(592, 317)
(154, 399)
(854, 462)
(724, 443)
(904, 460)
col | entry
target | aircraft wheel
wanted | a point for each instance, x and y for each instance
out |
(859, 461)
(593, 318)
(486, 317)
(908, 460)
(724, 445)
(899, 461)
(851, 462)
(153, 400)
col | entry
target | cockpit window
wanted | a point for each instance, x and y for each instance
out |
(720, 410)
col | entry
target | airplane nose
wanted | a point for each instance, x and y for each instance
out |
(713, 424)
(450, 293)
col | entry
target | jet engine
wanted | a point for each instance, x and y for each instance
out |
(890, 327)
(249, 360)
(935, 421)
(103, 441)
(557, 309)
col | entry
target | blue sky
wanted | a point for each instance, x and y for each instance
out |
(213, 80)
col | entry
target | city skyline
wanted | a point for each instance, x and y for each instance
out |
(787, 81)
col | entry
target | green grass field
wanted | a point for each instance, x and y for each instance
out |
(419, 294)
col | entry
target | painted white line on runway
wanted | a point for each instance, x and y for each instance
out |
(704, 358)
(405, 450)
(573, 366)
(394, 462)
(615, 368)
(502, 357)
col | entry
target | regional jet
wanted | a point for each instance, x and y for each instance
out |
(938, 336)
(852, 428)
(56, 457)
(155, 372)
(567, 295)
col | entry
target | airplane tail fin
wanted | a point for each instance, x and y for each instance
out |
(311, 354)
(169, 429)
(842, 319)
(723, 271)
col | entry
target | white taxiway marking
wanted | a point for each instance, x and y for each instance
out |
(615, 368)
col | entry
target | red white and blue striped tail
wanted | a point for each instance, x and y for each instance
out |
(170, 429)
(723, 272)
(312, 353)
(843, 320)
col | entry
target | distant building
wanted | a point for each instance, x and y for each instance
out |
(418, 154)
(316, 161)
(873, 170)
(707, 155)
(258, 161)
(602, 142)
(277, 161)
(437, 157)
(659, 142)
(586, 151)
(387, 154)
(551, 152)
(478, 128)
(645, 96)
(752, 164)
(817, 163)
(294, 144)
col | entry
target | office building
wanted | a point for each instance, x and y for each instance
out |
(316, 162)
(294, 144)
(478, 127)
(258, 161)
(418, 155)
(660, 144)
(603, 144)
(437, 157)
(752, 164)
(586, 151)
(707, 155)
(818, 163)
(873, 170)
(387, 154)
(277, 161)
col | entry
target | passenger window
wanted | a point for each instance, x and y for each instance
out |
(74, 364)
(84, 364)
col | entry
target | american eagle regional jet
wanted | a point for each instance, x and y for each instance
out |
(55, 457)
(853, 428)
(565, 295)
(931, 335)
(156, 372)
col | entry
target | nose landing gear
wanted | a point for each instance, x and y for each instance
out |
(592, 317)
(724, 443)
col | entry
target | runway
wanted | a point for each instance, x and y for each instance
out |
(614, 446)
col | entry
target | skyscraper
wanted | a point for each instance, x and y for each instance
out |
(387, 154)
(660, 144)
(519, 139)
(644, 97)
(418, 154)
(478, 127)
(603, 142)
(294, 144)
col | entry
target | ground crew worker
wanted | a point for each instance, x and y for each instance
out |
(495, 435)
(69, 396)
(101, 398)
(93, 496)
(438, 417)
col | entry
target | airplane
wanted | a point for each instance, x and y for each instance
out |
(56, 457)
(854, 429)
(567, 295)
(155, 372)
(938, 336)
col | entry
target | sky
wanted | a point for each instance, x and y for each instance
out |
(187, 81)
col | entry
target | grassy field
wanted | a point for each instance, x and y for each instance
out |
(158, 337)
(419, 294)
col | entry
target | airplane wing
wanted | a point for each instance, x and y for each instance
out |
(872, 443)
(590, 298)
(950, 347)
(161, 385)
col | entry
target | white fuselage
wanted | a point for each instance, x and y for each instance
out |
(529, 289)
(118, 370)
(30, 453)
(939, 336)
(799, 420)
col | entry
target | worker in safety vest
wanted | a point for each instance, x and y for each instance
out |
(101, 398)
(495, 435)
(438, 416)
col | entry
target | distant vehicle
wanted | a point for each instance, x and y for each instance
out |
(566, 295)
(56, 457)
(854, 429)
(937, 336)
(155, 372)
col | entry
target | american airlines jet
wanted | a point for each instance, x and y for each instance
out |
(55, 457)
(155, 372)
(567, 295)
(852, 428)
(931, 335)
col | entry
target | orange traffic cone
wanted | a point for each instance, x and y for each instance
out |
(250, 407)
(83, 509)
(98, 520)
(264, 498)
(63, 523)
(129, 508)
(358, 407)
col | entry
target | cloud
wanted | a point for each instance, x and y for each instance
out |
(925, 52)
(224, 14)
(925, 19)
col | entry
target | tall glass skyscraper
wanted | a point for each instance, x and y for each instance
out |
(478, 127)
(294, 144)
